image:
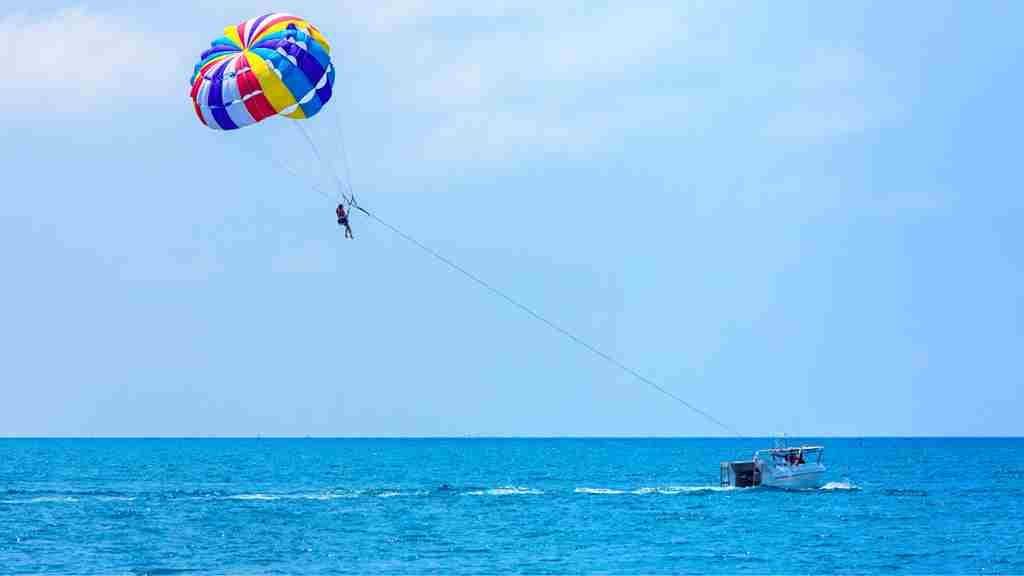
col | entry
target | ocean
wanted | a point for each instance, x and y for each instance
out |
(496, 505)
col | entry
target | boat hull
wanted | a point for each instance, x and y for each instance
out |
(795, 478)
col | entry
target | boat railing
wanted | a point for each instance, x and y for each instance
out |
(782, 453)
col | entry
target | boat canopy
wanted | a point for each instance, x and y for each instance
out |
(791, 453)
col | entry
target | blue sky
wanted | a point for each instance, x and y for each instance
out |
(801, 218)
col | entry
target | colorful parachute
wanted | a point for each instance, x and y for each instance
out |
(277, 64)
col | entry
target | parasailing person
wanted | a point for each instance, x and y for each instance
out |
(343, 220)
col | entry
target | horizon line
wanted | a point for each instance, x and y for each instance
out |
(501, 437)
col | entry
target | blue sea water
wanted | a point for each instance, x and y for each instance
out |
(258, 506)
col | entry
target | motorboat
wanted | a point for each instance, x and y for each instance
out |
(791, 468)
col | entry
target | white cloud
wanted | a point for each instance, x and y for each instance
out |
(490, 81)
(830, 94)
(76, 60)
(497, 81)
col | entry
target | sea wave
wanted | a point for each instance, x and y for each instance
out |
(44, 497)
(840, 486)
(390, 492)
(42, 500)
(292, 496)
(252, 497)
(904, 492)
(672, 490)
(504, 491)
(657, 490)
(585, 490)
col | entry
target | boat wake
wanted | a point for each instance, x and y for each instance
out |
(599, 491)
(833, 486)
(662, 490)
(504, 491)
(42, 500)
(385, 492)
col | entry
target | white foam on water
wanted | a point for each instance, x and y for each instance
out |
(840, 486)
(504, 491)
(598, 491)
(43, 500)
(672, 490)
(322, 496)
(326, 496)
(259, 496)
(253, 497)
(660, 490)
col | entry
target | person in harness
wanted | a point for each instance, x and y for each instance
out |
(343, 220)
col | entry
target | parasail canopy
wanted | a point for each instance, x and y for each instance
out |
(276, 64)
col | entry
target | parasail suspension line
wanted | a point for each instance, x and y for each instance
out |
(344, 153)
(291, 171)
(537, 316)
(324, 165)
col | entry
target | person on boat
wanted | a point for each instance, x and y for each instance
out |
(343, 220)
